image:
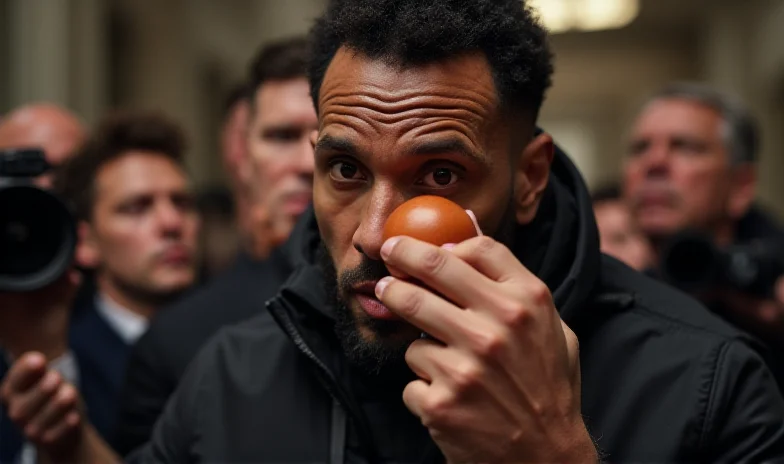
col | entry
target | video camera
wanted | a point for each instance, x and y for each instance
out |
(693, 263)
(37, 230)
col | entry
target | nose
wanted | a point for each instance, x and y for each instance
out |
(171, 219)
(656, 160)
(368, 238)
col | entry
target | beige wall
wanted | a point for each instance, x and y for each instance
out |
(744, 54)
(599, 82)
(182, 55)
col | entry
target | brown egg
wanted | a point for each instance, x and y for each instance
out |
(432, 219)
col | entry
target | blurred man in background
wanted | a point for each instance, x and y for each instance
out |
(137, 227)
(277, 177)
(692, 165)
(619, 235)
(137, 231)
(225, 211)
(55, 130)
(38, 320)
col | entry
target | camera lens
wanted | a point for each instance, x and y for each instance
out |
(37, 238)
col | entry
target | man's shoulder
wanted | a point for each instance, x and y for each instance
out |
(179, 331)
(250, 352)
(235, 295)
(662, 309)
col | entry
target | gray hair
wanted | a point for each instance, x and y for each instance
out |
(740, 130)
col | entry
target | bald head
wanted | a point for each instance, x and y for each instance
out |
(51, 128)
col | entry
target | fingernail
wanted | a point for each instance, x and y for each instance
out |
(35, 360)
(448, 246)
(476, 223)
(386, 249)
(382, 285)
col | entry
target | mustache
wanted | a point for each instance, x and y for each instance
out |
(367, 271)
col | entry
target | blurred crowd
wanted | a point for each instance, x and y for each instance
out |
(160, 267)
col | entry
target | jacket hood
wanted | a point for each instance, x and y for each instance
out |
(560, 246)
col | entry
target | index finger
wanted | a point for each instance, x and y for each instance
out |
(491, 258)
(24, 373)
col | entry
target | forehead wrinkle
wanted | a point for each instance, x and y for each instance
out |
(389, 104)
(352, 121)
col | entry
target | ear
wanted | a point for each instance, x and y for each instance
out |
(743, 189)
(87, 251)
(531, 176)
(313, 138)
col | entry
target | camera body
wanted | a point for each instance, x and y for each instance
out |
(37, 229)
(692, 262)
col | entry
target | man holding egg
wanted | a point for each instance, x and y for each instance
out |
(391, 343)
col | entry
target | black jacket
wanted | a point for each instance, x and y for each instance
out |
(160, 357)
(663, 380)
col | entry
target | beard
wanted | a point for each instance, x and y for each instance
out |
(377, 346)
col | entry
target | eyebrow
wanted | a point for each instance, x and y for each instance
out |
(434, 147)
(450, 145)
(330, 143)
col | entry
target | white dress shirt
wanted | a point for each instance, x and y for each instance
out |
(129, 325)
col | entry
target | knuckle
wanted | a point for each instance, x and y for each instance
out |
(15, 413)
(541, 295)
(51, 382)
(432, 261)
(67, 395)
(50, 438)
(411, 302)
(436, 409)
(467, 375)
(514, 314)
(484, 245)
(490, 344)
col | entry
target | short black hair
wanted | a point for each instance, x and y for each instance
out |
(607, 192)
(116, 135)
(280, 60)
(418, 32)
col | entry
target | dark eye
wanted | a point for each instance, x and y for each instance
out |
(343, 171)
(439, 178)
(135, 206)
(638, 148)
(282, 134)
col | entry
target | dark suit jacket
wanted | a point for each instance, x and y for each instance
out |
(101, 356)
(176, 335)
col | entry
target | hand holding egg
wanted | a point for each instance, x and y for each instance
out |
(488, 375)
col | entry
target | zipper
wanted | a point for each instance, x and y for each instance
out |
(328, 380)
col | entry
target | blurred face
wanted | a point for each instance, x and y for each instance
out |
(144, 227)
(233, 137)
(279, 145)
(678, 171)
(388, 135)
(619, 235)
(58, 134)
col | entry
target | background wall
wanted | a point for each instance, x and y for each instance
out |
(182, 56)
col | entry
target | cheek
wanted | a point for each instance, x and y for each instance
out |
(631, 175)
(193, 224)
(338, 216)
(698, 180)
(128, 240)
(490, 203)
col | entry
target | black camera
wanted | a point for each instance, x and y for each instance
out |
(692, 262)
(37, 229)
